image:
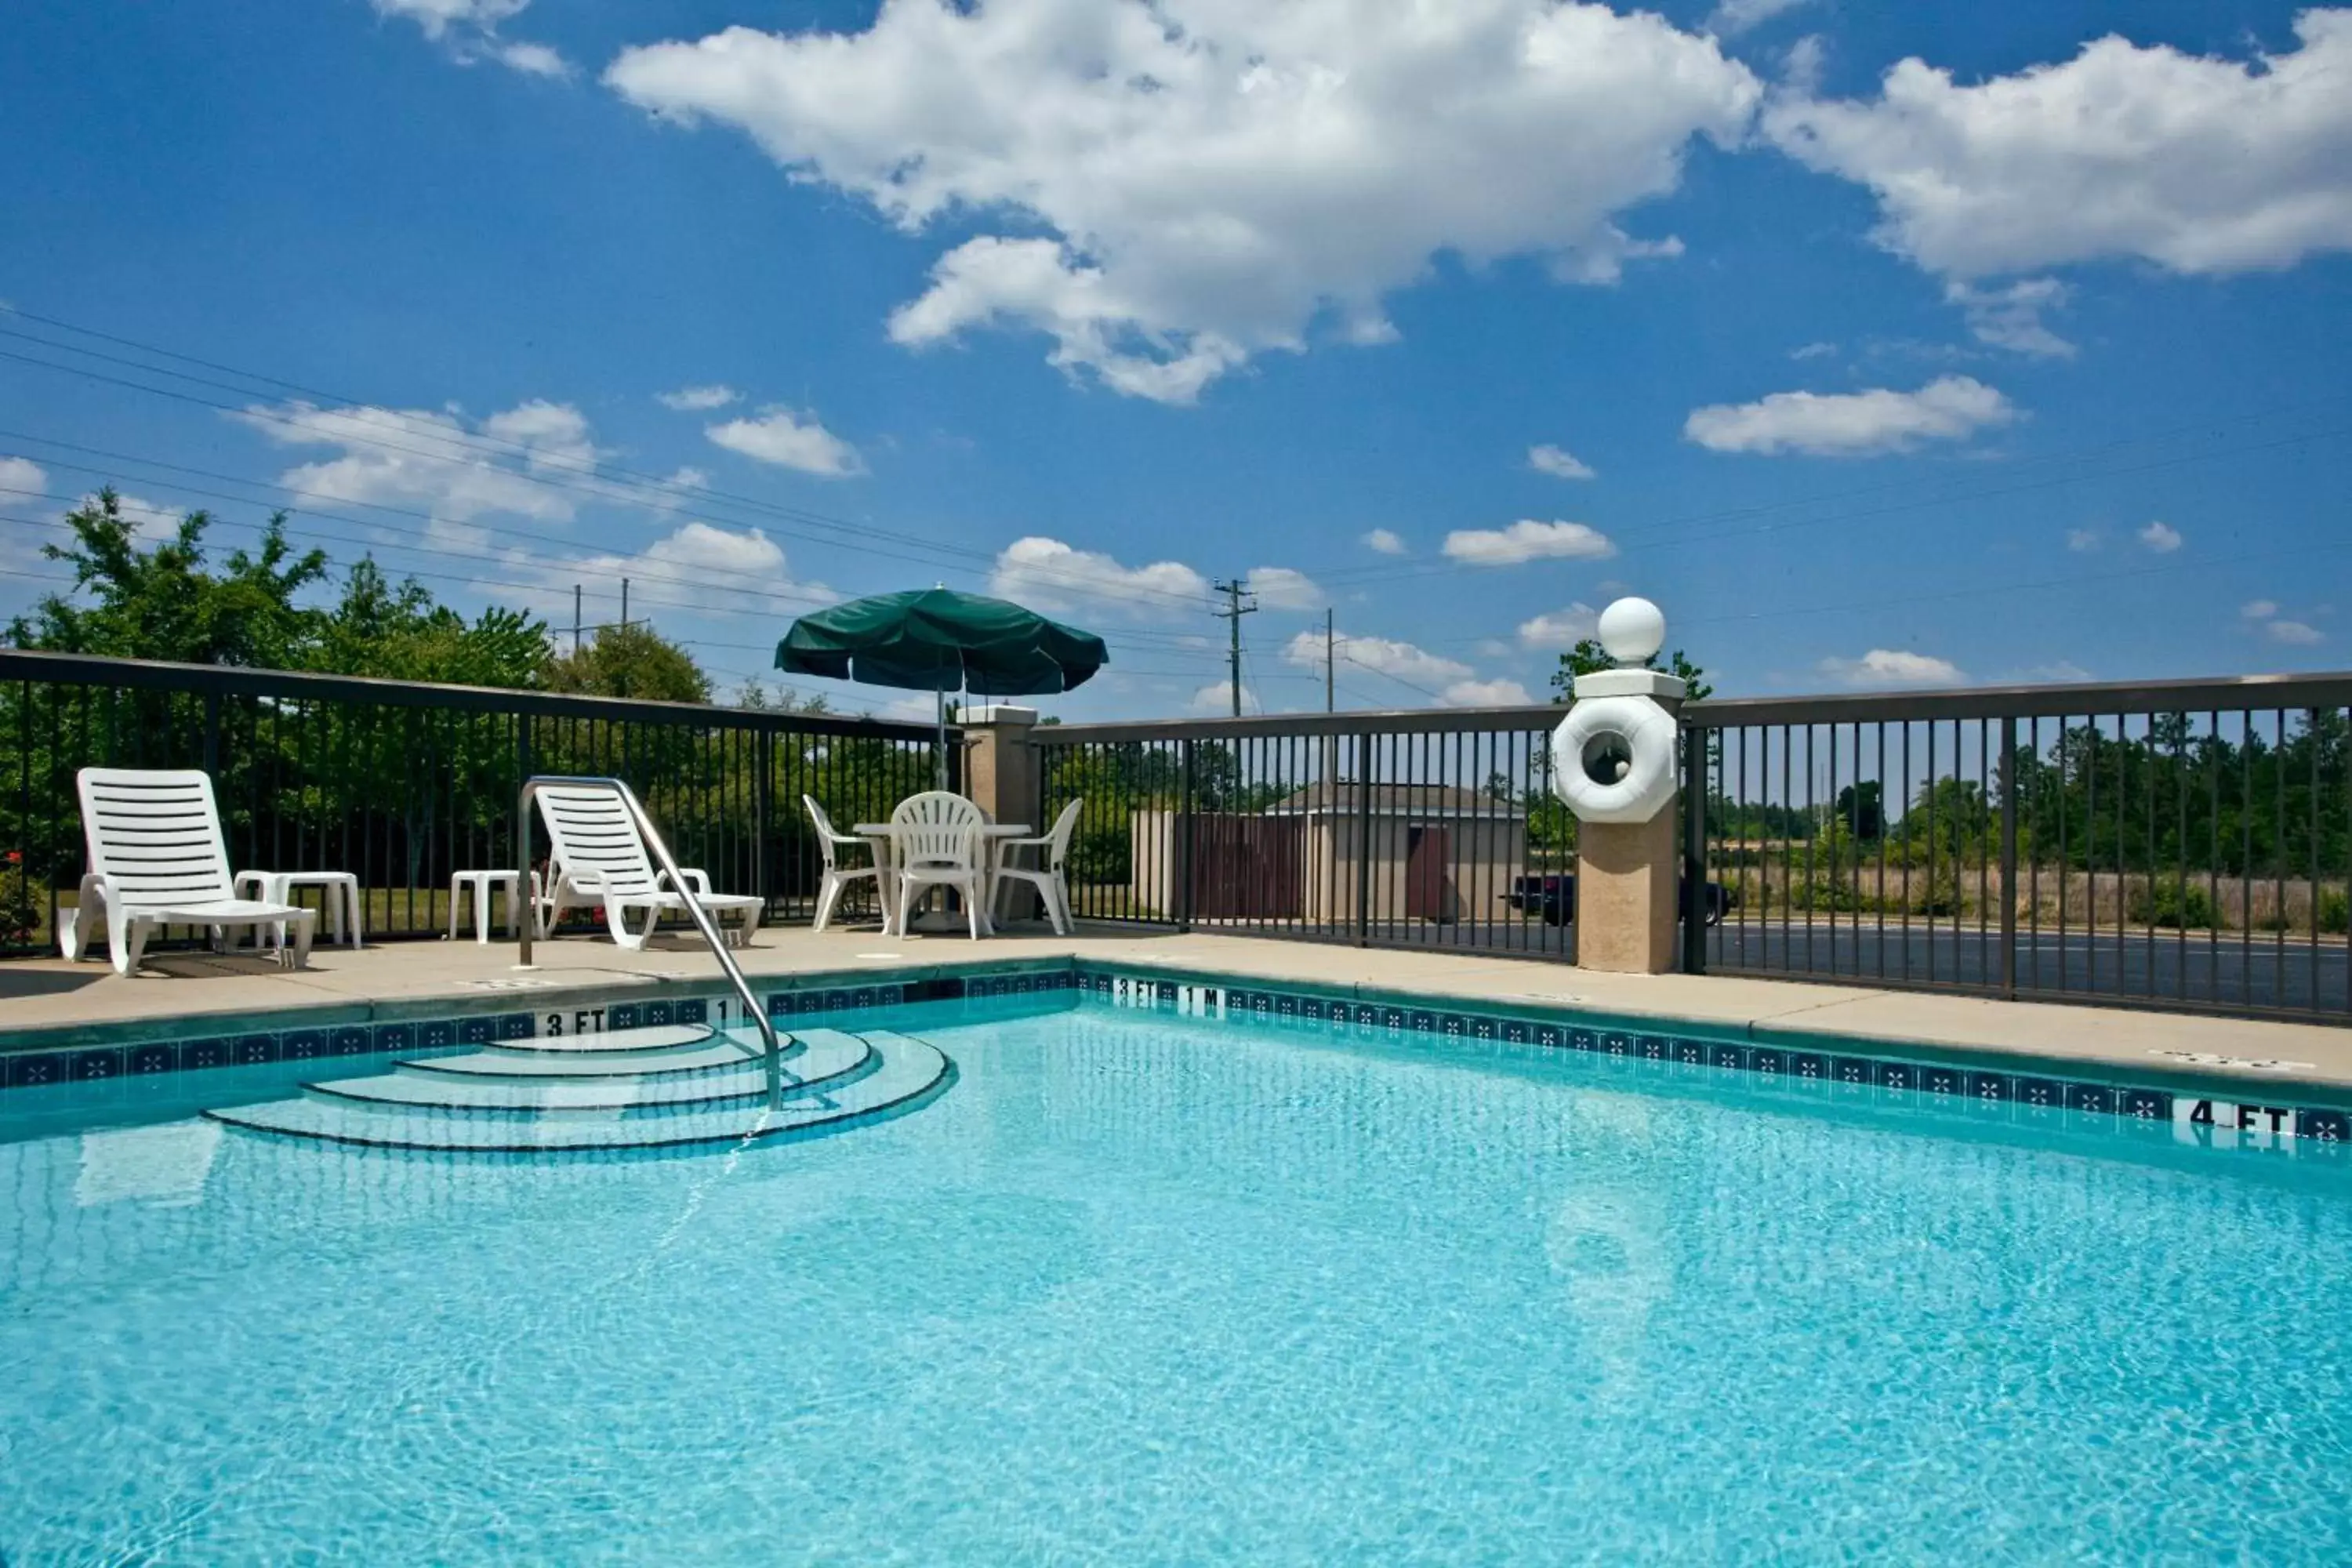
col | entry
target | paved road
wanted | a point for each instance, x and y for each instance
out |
(2260, 973)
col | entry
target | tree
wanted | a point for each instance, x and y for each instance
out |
(1861, 807)
(1587, 657)
(400, 633)
(632, 661)
(161, 603)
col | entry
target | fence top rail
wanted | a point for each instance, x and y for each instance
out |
(1395, 721)
(2223, 694)
(2216, 694)
(24, 664)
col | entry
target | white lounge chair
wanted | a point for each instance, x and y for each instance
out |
(936, 835)
(157, 858)
(599, 861)
(1047, 875)
(832, 841)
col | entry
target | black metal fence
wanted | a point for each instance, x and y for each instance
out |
(1419, 830)
(2185, 845)
(403, 784)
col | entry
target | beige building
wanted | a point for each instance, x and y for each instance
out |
(1410, 852)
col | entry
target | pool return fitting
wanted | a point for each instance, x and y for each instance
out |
(1614, 762)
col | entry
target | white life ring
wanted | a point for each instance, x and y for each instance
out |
(1612, 759)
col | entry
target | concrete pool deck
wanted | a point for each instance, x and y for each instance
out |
(46, 1003)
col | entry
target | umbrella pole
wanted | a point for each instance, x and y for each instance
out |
(939, 750)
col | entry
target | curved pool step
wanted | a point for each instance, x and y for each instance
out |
(909, 1074)
(813, 1063)
(639, 1037)
(722, 1052)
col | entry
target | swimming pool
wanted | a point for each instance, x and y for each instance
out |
(1148, 1287)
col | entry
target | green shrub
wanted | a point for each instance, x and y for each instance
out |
(2177, 905)
(2335, 913)
(23, 907)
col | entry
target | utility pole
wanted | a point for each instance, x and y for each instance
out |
(1330, 653)
(624, 603)
(1233, 615)
(575, 620)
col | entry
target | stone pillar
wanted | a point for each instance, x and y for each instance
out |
(1001, 776)
(1629, 873)
(1625, 886)
(1000, 769)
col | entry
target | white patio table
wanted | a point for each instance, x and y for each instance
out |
(883, 835)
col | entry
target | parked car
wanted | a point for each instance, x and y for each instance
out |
(1553, 896)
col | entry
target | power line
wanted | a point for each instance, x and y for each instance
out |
(636, 486)
(371, 540)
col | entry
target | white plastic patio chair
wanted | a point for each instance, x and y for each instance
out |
(831, 841)
(937, 837)
(1047, 877)
(156, 858)
(600, 861)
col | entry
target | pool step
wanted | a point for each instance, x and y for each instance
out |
(834, 1080)
(720, 1052)
(641, 1038)
(811, 1062)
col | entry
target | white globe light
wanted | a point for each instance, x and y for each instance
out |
(1632, 630)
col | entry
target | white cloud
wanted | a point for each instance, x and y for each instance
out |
(1813, 351)
(789, 440)
(698, 399)
(2161, 538)
(24, 476)
(1804, 64)
(1559, 464)
(436, 461)
(1049, 575)
(721, 571)
(554, 436)
(1852, 424)
(1527, 539)
(1409, 665)
(1486, 694)
(1282, 588)
(2264, 615)
(1893, 667)
(532, 59)
(1215, 700)
(1560, 630)
(2196, 163)
(1380, 541)
(1185, 184)
(2083, 540)
(441, 18)
(471, 30)
(2011, 318)
(1734, 16)
(2060, 672)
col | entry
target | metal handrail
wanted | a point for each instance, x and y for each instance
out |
(659, 848)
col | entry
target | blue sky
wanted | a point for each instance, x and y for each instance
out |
(1882, 346)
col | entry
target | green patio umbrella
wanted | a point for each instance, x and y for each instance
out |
(937, 640)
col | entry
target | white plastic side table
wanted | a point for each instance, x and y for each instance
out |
(480, 884)
(341, 891)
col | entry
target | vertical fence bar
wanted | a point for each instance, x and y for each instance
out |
(1695, 899)
(2008, 779)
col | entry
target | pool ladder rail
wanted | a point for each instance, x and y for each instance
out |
(659, 849)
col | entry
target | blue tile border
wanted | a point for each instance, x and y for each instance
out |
(1883, 1080)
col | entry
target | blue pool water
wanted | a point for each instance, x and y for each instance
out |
(1144, 1291)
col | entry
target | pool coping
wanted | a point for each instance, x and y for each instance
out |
(2238, 1102)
